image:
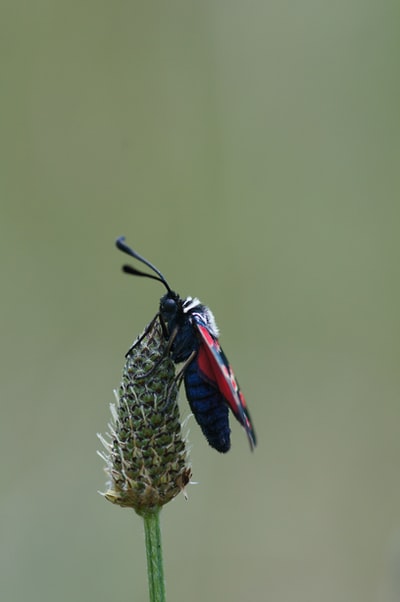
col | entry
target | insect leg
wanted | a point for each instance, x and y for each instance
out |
(166, 352)
(179, 377)
(141, 337)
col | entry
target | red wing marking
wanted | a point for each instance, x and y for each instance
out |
(216, 369)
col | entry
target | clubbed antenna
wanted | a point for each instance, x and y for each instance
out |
(128, 269)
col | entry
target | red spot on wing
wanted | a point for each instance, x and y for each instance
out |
(215, 373)
(216, 369)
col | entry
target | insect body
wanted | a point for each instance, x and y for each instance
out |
(210, 384)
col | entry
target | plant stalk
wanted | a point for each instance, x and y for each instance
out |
(155, 570)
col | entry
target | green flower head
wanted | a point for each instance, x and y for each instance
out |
(146, 457)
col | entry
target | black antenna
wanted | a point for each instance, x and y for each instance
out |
(131, 270)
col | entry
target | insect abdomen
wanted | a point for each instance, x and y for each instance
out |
(208, 407)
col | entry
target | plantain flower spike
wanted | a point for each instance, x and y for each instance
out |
(146, 458)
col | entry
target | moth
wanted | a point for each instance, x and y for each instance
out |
(192, 335)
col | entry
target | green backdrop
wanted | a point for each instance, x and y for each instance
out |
(251, 151)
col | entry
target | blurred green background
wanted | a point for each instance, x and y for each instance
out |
(251, 151)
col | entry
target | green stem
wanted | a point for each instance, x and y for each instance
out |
(155, 571)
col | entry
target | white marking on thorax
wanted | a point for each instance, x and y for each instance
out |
(206, 314)
(190, 303)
